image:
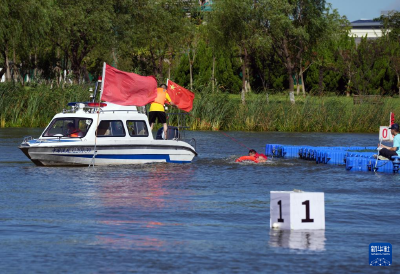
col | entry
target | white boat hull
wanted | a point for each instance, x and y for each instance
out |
(108, 155)
(114, 135)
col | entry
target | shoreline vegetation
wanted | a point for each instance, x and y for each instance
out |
(26, 106)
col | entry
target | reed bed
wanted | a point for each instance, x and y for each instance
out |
(35, 106)
(309, 114)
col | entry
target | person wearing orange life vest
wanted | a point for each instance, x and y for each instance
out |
(253, 156)
(73, 132)
(259, 156)
(157, 109)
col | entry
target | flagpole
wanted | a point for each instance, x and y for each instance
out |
(92, 163)
(103, 78)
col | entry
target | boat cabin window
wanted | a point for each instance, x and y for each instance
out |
(137, 128)
(108, 128)
(68, 127)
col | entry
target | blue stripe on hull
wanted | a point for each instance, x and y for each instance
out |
(128, 157)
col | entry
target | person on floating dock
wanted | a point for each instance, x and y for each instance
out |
(388, 152)
(253, 156)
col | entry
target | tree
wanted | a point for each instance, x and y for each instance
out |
(391, 38)
(158, 33)
(294, 27)
(235, 24)
(79, 27)
(322, 52)
(23, 23)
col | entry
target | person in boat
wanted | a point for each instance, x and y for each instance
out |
(387, 151)
(253, 156)
(157, 111)
(74, 132)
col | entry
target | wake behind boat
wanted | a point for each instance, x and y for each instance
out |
(103, 134)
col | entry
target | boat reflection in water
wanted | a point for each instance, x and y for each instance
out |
(137, 207)
(298, 239)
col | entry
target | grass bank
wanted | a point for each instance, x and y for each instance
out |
(35, 106)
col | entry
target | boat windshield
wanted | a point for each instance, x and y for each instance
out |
(68, 127)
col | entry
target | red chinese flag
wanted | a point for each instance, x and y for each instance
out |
(128, 89)
(180, 96)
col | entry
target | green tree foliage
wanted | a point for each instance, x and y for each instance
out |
(157, 34)
(391, 39)
(235, 25)
(226, 69)
(81, 26)
(266, 44)
(23, 25)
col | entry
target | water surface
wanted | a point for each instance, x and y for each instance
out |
(211, 216)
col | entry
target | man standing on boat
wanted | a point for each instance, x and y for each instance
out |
(157, 109)
(388, 152)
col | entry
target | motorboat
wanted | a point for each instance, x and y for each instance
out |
(105, 134)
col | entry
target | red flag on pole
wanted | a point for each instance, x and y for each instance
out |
(391, 118)
(126, 88)
(181, 97)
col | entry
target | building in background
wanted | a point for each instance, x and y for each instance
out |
(366, 28)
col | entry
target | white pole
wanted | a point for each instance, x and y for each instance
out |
(92, 163)
(103, 79)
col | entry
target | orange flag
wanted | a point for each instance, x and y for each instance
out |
(127, 88)
(181, 97)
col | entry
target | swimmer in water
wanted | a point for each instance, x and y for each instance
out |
(253, 156)
(259, 156)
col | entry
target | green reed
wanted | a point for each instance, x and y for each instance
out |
(310, 114)
(35, 106)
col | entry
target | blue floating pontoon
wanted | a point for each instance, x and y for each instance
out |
(355, 158)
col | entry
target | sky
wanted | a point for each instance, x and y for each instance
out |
(363, 9)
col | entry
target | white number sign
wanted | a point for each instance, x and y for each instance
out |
(385, 134)
(297, 210)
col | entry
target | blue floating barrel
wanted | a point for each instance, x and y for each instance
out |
(335, 157)
(356, 148)
(291, 151)
(368, 155)
(384, 166)
(269, 148)
(364, 164)
(359, 164)
(274, 150)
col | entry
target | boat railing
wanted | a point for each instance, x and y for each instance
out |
(193, 143)
(178, 120)
(27, 139)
